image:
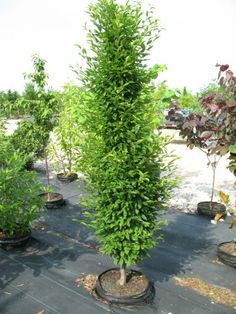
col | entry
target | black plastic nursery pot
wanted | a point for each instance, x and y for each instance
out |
(226, 252)
(53, 200)
(18, 240)
(108, 289)
(67, 178)
(210, 209)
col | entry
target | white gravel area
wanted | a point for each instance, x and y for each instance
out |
(196, 177)
(11, 125)
(194, 174)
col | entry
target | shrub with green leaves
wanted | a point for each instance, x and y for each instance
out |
(29, 140)
(9, 107)
(19, 200)
(124, 159)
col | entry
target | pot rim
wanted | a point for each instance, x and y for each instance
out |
(141, 297)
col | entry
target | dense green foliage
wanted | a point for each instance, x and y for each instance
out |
(163, 96)
(9, 104)
(189, 101)
(211, 88)
(64, 147)
(31, 137)
(19, 201)
(29, 140)
(43, 104)
(124, 159)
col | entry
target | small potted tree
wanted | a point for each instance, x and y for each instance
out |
(53, 200)
(201, 131)
(65, 141)
(19, 199)
(43, 110)
(222, 105)
(124, 160)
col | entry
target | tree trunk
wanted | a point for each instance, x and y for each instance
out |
(122, 280)
(47, 174)
(213, 181)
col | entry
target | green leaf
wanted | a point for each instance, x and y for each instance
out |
(232, 148)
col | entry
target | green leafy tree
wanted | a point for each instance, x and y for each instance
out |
(64, 148)
(29, 140)
(43, 103)
(12, 95)
(29, 92)
(31, 137)
(9, 104)
(124, 159)
(163, 96)
(189, 101)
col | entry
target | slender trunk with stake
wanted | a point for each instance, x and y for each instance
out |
(70, 155)
(213, 167)
(60, 159)
(47, 174)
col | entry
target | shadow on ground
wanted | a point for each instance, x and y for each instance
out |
(41, 277)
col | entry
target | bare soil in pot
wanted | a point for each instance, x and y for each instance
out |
(226, 252)
(210, 208)
(136, 289)
(67, 178)
(135, 285)
(53, 200)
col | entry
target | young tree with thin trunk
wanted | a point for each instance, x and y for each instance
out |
(124, 160)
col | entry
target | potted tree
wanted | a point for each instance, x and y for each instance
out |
(19, 199)
(124, 160)
(65, 143)
(31, 136)
(43, 109)
(215, 131)
(201, 131)
(53, 200)
(222, 105)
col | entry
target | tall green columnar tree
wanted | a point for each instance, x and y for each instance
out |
(123, 158)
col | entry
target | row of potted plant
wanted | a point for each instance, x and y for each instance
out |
(124, 160)
(20, 188)
(129, 173)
